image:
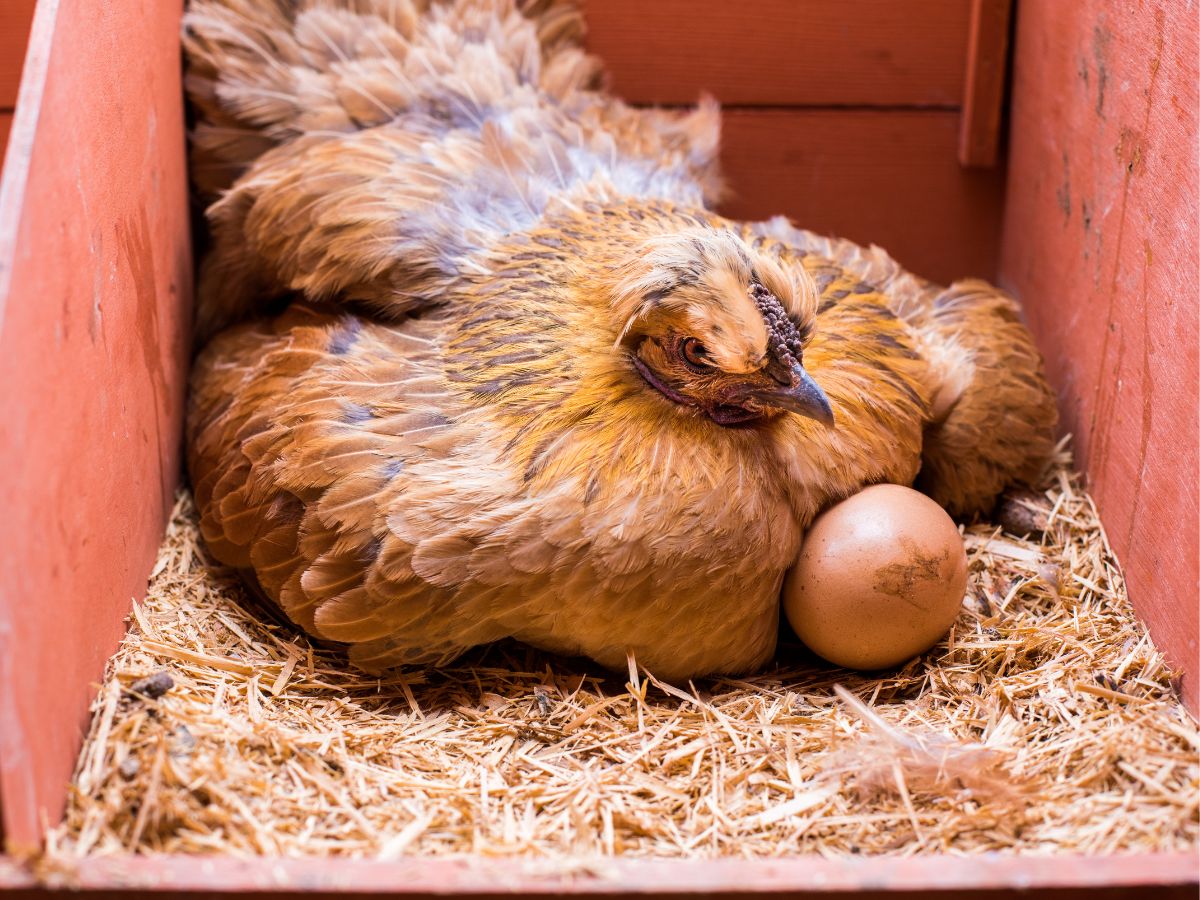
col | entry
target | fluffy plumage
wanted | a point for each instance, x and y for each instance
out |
(524, 383)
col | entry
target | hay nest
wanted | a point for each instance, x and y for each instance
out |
(1045, 722)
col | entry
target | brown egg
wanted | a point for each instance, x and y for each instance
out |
(880, 578)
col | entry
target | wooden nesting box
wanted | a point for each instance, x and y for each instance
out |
(852, 116)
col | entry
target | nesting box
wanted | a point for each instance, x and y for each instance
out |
(878, 121)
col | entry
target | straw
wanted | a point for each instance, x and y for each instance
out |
(1046, 722)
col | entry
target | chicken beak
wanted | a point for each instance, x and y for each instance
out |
(803, 396)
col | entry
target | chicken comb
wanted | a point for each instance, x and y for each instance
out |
(784, 343)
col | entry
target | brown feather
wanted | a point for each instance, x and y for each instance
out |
(517, 386)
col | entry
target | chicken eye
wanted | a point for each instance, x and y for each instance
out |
(695, 355)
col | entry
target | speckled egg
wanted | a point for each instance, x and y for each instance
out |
(880, 578)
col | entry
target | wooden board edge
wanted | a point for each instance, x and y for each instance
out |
(19, 152)
(983, 91)
(6, 117)
(15, 156)
(1166, 874)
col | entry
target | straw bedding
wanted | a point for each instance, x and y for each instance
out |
(1045, 722)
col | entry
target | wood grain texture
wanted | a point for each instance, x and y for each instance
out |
(1101, 242)
(886, 177)
(983, 97)
(1128, 877)
(15, 18)
(784, 52)
(95, 273)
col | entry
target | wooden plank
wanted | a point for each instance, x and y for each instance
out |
(983, 98)
(783, 52)
(1101, 240)
(885, 177)
(1163, 876)
(15, 17)
(95, 272)
(6, 117)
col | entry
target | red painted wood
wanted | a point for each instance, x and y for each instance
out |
(95, 271)
(784, 52)
(6, 117)
(889, 878)
(987, 65)
(886, 177)
(1100, 241)
(15, 17)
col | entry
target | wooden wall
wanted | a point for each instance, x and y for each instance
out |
(95, 278)
(15, 16)
(1100, 242)
(845, 115)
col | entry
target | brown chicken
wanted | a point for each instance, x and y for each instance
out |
(485, 366)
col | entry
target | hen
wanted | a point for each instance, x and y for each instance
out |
(486, 366)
